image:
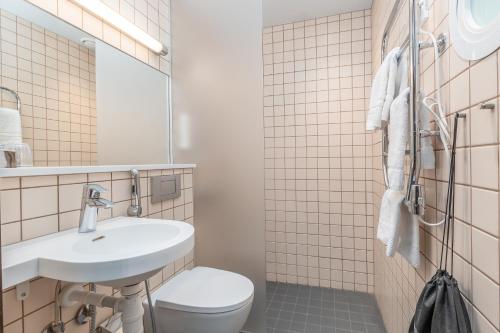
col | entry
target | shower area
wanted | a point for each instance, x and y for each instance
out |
(319, 175)
(325, 178)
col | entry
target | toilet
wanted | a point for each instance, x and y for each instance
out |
(201, 300)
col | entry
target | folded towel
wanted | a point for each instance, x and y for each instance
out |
(398, 138)
(383, 90)
(427, 158)
(10, 126)
(391, 211)
(402, 76)
(392, 80)
(409, 238)
(397, 228)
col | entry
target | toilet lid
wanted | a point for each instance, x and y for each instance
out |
(205, 290)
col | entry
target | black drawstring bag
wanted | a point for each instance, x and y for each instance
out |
(441, 308)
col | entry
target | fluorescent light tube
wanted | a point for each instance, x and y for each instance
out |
(107, 14)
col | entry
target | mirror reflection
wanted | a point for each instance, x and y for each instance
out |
(484, 12)
(71, 100)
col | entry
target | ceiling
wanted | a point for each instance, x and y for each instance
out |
(286, 11)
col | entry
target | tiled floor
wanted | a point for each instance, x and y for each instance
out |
(292, 308)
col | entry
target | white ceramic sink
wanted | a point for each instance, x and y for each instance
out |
(122, 251)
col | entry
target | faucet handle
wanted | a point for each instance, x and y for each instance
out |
(96, 188)
(93, 191)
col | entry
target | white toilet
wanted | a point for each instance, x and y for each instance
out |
(201, 300)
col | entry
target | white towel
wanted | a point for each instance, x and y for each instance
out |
(398, 138)
(427, 158)
(10, 126)
(392, 80)
(392, 211)
(391, 208)
(383, 90)
(409, 238)
(397, 228)
(402, 76)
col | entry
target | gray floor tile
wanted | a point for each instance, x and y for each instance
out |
(301, 309)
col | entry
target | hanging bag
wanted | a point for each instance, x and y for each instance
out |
(441, 308)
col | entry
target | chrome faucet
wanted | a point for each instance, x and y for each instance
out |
(91, 202)
(135, 209)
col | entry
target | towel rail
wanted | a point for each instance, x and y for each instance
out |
(404, 46)
(388, 27)
(415, 199)
(18, 100)
(414, 191)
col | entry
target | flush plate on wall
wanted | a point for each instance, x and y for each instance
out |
(165, 188)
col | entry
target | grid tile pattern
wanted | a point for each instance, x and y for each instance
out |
(317, 77)
(152, 16)
(55, 79)
(295, 308)
(31, 207)
(465, 85)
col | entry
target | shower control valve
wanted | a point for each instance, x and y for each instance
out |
(416, 202)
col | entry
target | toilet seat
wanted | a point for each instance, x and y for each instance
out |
(205, 290)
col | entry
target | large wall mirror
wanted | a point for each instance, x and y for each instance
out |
(82, 101)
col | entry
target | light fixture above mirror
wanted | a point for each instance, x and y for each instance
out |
(75, 111)
(107, 14)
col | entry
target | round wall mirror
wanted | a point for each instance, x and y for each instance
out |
(475, 27)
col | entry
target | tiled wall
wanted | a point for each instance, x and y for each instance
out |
(35, 206)
(317, 75)
(152, 16)
(465, 85)
(55, 80)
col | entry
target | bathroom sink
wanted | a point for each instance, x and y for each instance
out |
(123, 251)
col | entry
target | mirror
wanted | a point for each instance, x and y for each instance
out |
(83, 102)
(475, 27)
(484, 12)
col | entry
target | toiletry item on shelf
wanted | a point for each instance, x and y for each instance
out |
(10, 126)
(7, 158)
(13, 152)
(14, 155)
